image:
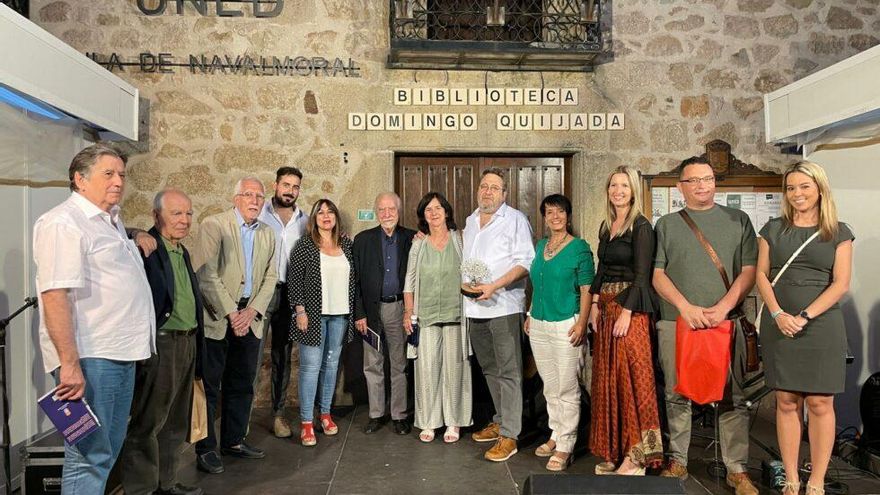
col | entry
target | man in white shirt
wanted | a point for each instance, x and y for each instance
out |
(500, 237)
(96, 309)
(289, 223)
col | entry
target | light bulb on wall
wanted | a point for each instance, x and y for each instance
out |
(588, 11)
(403, 9)
(495, 13)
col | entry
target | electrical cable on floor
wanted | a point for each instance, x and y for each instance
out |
(835, 474)
(854, 472)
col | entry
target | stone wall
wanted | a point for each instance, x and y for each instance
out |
(683, 72)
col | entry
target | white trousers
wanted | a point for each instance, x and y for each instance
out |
(557, 362)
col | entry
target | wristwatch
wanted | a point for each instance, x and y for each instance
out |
(803, 314)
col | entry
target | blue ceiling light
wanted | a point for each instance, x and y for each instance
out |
(19, 100)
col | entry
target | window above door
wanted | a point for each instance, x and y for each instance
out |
(559, 35)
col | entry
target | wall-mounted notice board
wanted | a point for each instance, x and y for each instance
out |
(738, 185)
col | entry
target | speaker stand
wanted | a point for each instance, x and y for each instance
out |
(715, 467)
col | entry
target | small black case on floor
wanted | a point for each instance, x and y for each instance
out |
(42, 460)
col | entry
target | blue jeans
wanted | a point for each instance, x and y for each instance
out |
(318, 366)
(109, 389)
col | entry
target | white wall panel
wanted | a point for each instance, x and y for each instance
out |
(844, 90)
(855, 181)
(36, 63)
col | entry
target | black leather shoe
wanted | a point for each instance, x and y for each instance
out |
(401, 427)
(179, 489)
(374, 425)
(244, 451)
(210, 462)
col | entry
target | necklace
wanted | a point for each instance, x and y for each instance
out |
(550, 251)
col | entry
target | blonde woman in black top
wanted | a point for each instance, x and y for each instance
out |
(625, 424)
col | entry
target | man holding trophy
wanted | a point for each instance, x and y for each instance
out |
(498, 252)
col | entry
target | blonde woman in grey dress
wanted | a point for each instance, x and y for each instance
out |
(432, 293)
(802, 326)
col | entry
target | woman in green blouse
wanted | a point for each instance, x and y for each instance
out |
(561, 274)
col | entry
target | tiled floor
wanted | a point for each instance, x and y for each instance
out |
(355, 463)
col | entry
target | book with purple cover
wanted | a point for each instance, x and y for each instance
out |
(373, 340)
(73, 419)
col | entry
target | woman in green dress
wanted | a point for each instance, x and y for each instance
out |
(431, 293)
(802, 326)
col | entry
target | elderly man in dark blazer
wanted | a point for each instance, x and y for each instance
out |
(380, 257)
(161, 408)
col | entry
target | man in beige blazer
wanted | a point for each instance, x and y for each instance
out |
(237, 281)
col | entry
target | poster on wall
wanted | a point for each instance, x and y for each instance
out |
(759, 206)
(659, 203)
(676, 199)
(768, 205)
(743, 201)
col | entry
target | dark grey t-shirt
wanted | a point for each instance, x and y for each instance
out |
(681, 255)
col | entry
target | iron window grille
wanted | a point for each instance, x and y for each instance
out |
(20, 6)
(495, 34)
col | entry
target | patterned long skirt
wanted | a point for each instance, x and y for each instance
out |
(624, 419)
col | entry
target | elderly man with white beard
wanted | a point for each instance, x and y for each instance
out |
(380, 257)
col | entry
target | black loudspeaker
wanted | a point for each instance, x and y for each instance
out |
(869, 407)
(578, 484)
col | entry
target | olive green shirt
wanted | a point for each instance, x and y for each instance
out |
(439, 285)
(183, 313)
(686, 262)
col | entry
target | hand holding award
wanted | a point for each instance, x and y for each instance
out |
(475, 272)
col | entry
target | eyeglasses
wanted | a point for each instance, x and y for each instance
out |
(696, 180)
(252, 195)
(493, 188)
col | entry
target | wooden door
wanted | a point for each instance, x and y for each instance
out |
(529, 180)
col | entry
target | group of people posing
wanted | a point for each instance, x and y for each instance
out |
(128, 320)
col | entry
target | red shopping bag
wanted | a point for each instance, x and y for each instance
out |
(702, 360)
